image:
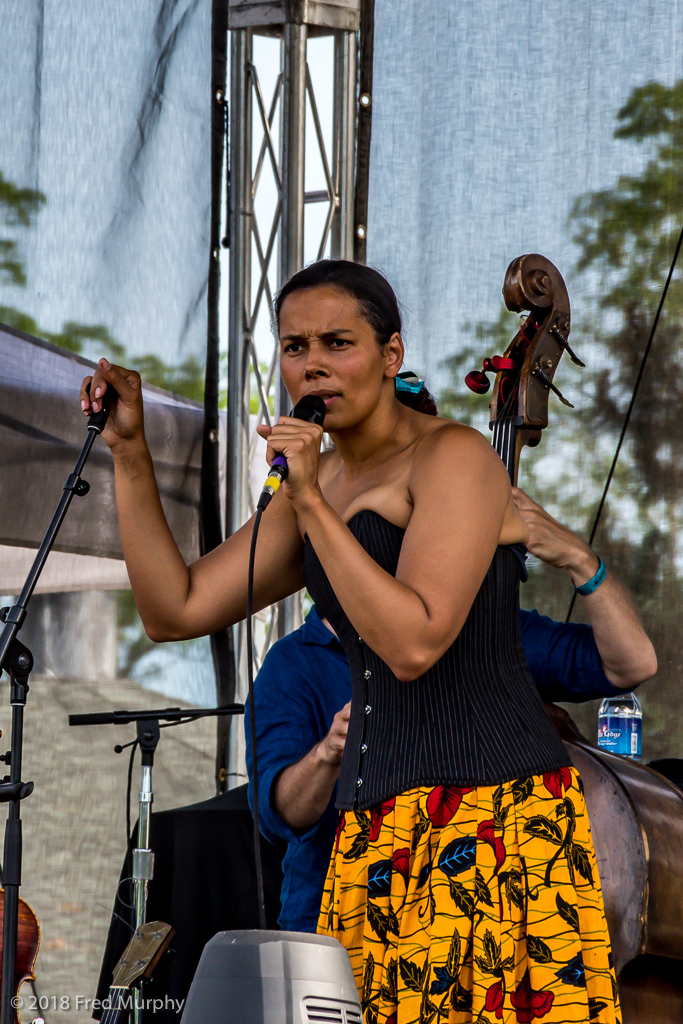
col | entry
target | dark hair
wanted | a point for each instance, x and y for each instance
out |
(376, 300)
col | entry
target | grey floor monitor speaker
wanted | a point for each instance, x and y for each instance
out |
(261, 977)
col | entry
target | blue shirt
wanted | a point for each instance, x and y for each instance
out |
(305, 681)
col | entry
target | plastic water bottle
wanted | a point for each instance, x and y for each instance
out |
(620, 725)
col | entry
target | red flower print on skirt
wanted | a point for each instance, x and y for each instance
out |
(530, 1003)
(340, 829)
(494, 999)
(557, 781)
(443, 803)
(376, 815)
(486, 834)
(401, 863)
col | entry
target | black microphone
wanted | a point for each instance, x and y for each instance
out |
(311, 409)
(97, 421)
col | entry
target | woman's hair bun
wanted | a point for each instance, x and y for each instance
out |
(413, 392)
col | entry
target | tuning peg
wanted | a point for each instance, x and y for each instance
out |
(477, 381)
(543, 376)
(498, 363)
(563, 339)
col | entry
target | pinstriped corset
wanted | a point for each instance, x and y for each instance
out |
(474, 718)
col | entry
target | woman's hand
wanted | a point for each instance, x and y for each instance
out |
(300, 443)
(125, 425)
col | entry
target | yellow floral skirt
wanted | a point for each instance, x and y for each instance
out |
(460, 904)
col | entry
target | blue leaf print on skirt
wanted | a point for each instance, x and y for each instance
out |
(379, 878)
(573, 973)
(458, 856)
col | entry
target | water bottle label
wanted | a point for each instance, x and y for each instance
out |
(620, 735)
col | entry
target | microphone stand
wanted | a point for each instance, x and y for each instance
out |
(17, 661)
(148, 735)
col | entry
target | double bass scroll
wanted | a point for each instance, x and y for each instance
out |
(525, 372)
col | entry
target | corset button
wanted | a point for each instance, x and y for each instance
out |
(359, 783)
(367, 673)
(359, 639)
(363, 748)
(367, 709)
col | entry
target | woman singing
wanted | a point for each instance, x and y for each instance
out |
(463, 883)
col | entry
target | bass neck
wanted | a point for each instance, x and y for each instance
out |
(118, 1000)
(506, 442)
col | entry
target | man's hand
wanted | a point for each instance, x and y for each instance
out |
(627, 655)
(303, 790)
(332, 747)
(554, 543)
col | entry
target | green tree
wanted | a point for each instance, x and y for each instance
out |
(627, 237)
(18, 208)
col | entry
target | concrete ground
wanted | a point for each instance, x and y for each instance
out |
(74, 823)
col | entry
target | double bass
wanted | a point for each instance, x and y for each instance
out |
(636, 815)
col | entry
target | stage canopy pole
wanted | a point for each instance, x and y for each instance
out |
(266, 251)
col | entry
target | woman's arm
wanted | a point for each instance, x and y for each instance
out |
(176, 601)
(460, 493)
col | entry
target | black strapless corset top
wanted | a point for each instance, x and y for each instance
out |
(475, 718)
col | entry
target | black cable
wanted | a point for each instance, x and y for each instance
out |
(627, 417)
(252, 725)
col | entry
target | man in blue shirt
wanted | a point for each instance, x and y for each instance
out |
(304, 687)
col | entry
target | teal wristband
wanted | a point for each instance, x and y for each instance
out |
(592, 585)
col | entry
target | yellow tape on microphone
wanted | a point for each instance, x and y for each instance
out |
(272, 484)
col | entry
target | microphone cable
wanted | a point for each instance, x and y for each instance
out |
(252, 725)
(310, 409)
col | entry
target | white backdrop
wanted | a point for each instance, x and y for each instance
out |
(489, 119)
(502, 128)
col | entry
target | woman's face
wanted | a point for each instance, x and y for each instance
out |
(328, 348)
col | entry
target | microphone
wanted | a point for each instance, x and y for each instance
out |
(311, 409)
(97, 421)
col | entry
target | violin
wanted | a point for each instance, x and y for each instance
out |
(636, 815)
(28, 941)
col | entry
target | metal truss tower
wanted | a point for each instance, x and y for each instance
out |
(272, 130)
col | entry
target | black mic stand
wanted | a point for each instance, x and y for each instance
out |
(17, 661)
(148, 735)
